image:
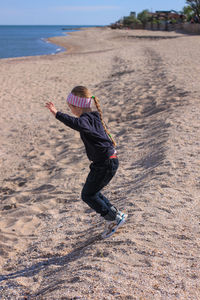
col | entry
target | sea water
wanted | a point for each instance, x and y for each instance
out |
(17, 41)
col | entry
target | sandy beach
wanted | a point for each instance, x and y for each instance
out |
(50, 244)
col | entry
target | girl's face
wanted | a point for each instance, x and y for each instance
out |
(78, 111)
(75, 110)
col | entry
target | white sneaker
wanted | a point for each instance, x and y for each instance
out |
(112, 226)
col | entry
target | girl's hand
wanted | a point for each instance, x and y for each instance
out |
(51, 107)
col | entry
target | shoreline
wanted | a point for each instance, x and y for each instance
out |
(67, 42)
(58, 41)
(51, 41)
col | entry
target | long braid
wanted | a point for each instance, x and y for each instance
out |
(96, 101)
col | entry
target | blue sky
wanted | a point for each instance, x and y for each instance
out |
(77, 12)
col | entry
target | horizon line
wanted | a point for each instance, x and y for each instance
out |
(53, 25)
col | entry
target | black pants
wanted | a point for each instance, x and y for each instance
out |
(99, 176)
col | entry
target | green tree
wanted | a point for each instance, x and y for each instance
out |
(143, 17)
(188, 12)
(195, 5)
(130, 20)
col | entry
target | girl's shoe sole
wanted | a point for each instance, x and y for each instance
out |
(115, 227)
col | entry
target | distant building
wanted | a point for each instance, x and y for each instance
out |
(168, 14)
(133, 14)
(166, 18)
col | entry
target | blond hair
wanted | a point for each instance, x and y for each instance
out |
(82, 91)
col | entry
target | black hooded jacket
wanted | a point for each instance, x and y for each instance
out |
(98, 145)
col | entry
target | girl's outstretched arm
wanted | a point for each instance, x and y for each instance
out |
(69, 121)
(51, 107)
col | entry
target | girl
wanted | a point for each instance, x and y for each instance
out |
(100, 149)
